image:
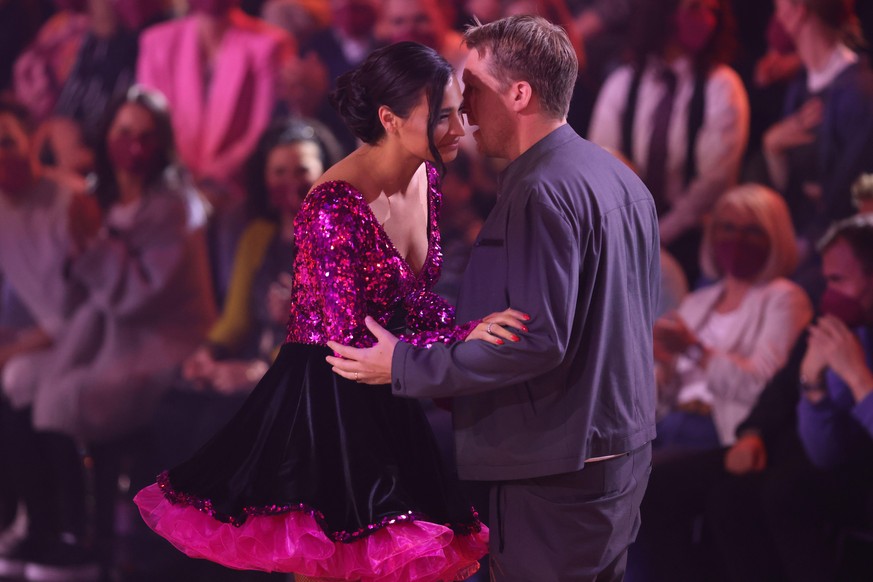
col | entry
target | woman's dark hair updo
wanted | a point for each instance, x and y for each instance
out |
(393, 76)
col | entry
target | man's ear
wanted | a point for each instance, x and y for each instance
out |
(521, 94)
(388, 119)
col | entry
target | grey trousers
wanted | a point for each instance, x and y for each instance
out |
(569, 527)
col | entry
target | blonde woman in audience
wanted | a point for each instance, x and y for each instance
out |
(718, 350)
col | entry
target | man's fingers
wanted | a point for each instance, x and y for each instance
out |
(347, 352)
(344, 373)
(376, 329)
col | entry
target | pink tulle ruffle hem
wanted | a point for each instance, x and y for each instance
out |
(414, 551)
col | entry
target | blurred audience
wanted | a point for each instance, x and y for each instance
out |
(240, 346)
(19, 23)
(220, 71)
(862, 194)
(679, 113)
(144, 279)
(43, 68)
(37, 219)
(340, 48)
(825, 139)
(105, 62)
(218, 68)
(301, 18)
(718, 350)
(421, 21)
(835, 415)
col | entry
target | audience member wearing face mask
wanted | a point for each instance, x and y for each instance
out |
(144, 282)
(679, 114)
(718, 350)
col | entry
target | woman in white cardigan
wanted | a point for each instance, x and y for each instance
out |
(718, 350)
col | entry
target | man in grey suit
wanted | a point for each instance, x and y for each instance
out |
(560, 422)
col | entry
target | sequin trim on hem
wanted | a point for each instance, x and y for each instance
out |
(206, 506)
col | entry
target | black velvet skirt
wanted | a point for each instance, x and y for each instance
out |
(352, 457)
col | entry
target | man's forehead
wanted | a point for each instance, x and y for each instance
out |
(473, 67)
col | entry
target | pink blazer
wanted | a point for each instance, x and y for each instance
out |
(216, 129)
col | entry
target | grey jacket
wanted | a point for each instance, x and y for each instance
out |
(572, 241)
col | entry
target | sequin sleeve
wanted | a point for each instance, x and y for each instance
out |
(330, 238)
(432, 320)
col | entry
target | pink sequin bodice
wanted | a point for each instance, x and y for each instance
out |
(346, 268)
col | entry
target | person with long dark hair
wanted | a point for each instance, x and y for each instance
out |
(314, 475)
(144, 302)
(287, 161)
(679, 114)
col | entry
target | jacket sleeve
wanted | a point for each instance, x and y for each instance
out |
(830, 432)
(544, 254)
(236, 317)
(741, 378)
(263, 84)
(775, 410)
(128, 273)
(850, 139)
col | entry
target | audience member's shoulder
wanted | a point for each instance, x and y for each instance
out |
(620, 77)
(725, 79)
(160, 34)
(857, 77)
(259, 28)
(60, 25)
(783, 287)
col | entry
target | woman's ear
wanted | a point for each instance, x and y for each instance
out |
(388, 119)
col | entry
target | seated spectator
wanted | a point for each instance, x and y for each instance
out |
(301, 18)
(62, 154)
(148, 262)
(218, 68)
(105, 64)
(19, 23)
(718, 350)
(422, 21)
(825, 139)
(835, 415)
(36, 215)
(42, 69)
(802, 510)
(39, 222)
(288, 160)
(147, 303)
(340, 48)
(862, 194)
(679, 113)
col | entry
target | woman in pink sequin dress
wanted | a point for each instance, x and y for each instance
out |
(315, 475)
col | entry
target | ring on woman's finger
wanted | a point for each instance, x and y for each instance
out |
(488, 329)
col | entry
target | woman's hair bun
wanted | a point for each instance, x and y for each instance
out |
(351, 101)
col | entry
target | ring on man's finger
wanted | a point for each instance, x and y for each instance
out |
(357, 376)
